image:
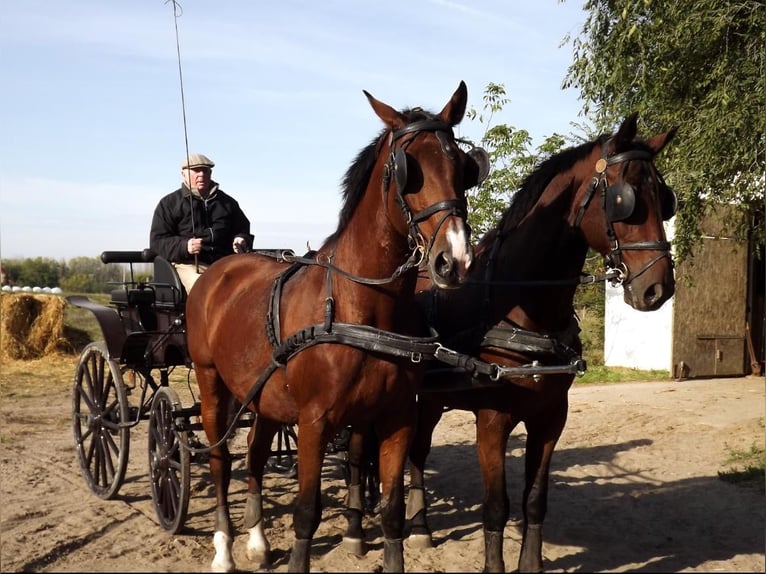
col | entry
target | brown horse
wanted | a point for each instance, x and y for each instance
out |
(328, 339)
(515, 313)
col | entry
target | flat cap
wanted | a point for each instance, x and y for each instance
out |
(197, 160)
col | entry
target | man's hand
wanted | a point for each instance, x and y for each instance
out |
(194, 245)
(239, 245)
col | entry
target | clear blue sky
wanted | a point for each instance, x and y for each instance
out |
(92, 123)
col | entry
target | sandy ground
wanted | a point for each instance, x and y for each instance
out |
(635, 487)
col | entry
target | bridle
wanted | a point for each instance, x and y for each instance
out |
(618, 200)
(395, 169)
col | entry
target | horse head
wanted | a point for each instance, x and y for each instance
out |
(424, 176)
(634, 203)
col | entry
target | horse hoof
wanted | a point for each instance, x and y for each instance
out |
(221, 566)
(355, 546)
(259, 558)
(420, 541)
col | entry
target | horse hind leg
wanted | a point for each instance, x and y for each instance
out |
(541, 441)
(215, 398)
(492, 431)
(259, 442)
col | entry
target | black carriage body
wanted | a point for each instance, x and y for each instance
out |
(125, 379)
(149, 332)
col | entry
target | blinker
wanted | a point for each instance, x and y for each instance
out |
(400, 169)
(620, 201)
(481, 158)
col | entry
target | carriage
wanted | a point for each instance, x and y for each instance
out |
(355, 340)
(125, 379)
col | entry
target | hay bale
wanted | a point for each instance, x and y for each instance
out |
(31, 326)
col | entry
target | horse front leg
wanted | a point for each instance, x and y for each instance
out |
(394, 447)
(492, 431)
(215, 399)
(429, 414)
(312, 442)
(542, 435)
(353, 539)
(259, 441)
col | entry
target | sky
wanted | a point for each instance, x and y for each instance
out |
(97, 109)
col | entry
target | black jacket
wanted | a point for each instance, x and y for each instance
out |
(181, 215)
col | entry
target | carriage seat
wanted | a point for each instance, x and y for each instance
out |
(125, 297)
(169, 292)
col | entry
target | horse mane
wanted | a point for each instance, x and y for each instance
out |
(354, 183)
(532, 188)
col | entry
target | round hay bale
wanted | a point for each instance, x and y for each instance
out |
(31, 326)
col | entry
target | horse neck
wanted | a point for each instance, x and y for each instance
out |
(370, 247)
(541, 262)
(546, 252)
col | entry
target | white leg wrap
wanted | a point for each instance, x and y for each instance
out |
(258, 547)
(223, 561)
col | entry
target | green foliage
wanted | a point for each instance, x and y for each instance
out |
(80, 274)
(511, 156)
(699, 65)
(36, 272)
(590, 305)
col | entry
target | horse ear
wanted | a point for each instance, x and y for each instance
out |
(454, 111)
(627, 130)
(392, 118)
(658, 142)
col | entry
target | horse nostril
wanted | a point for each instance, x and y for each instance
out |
(654, 296)
(444, 266)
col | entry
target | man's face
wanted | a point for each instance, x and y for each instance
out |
(197, 178)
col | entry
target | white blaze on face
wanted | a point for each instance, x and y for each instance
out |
(457, 236)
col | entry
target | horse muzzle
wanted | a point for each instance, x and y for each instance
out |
(449, 261)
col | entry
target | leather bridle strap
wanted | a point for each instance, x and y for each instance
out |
(613, 259)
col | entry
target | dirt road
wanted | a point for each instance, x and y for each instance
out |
(635, 487)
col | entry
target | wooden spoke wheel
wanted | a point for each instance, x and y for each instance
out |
(169, 461)
(100, 418)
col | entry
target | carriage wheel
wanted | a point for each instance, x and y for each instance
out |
(169, 461)
(99, 405)
(284, 453)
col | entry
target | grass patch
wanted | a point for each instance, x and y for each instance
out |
(747, 467)
(603, 374)
(80, 325)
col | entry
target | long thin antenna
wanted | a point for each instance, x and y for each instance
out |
(177, 12)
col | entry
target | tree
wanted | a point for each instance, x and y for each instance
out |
(696, 64)
(36, 272)
(511, 157)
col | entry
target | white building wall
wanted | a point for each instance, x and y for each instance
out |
(638, 339)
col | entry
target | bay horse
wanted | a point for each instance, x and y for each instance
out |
(515, 314)
(327, 339)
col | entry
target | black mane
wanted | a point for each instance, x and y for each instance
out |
(534, 185)
(357, 177)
